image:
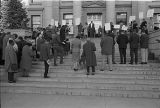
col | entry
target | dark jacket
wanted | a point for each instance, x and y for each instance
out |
(106, 45)
(122, 41)
(89, 53)
(144, 41)
(56, 41)
(134, 40)
(45, 51)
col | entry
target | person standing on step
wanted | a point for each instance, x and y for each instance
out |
(45, 55)
(106, 50)
(122, 41)
(26, 60)
(144, 47)
(134, 43)
(75, 49)
(57, 49)
(90, 56)
(11, 65)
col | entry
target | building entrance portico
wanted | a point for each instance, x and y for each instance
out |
(96, 18)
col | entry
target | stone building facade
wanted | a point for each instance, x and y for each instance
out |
(41, 12)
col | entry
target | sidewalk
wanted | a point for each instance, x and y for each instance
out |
(59, 101)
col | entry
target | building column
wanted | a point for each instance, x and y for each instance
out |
(48, 13)
(142, 8)
(110, 11)
(77, 12)
(55, 10)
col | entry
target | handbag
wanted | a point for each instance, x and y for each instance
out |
(14, 67)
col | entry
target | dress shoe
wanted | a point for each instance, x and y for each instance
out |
(101, 69)
(55, 65)
(121, 63)
(46, 77)
(12, 81)
(114, 62)
(110, 70)
(142, 62)
(87, 73)
(145, 62)
(131, 63)
(93, 73)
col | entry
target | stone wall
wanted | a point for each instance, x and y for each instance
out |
(154, 46)
(19, 32)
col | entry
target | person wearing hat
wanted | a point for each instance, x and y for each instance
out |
(89, 55)
(10, 61)
(122, 41)
(45, 55)
(26, 60)
(75, 49)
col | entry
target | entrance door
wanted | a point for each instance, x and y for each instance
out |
(96, 18)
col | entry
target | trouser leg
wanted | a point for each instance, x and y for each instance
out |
(93, 69)
(113, 54)
(61, 54)
(131, 53)
(121, 54)
(103, 62)
(143, 54)
(136, 55)
(55, 56)
(46, 68)
(124, 55)
(88, 69)
(10, 76)
(110, 62)
(146, 57)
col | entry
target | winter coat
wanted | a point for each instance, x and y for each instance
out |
(10, 58)
(134, 40)
(144, 41)
(122, 41)
(89, 53)
(26, 60)
(106, 45)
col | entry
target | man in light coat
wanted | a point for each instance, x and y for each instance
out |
(75, 49)
(10, 59)
(106, 51)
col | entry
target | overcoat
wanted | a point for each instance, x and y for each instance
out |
(10, 58)
(122, 41)
(89, 53)
(26, 60)
(106, 45)
(144, 41)
(134, 40)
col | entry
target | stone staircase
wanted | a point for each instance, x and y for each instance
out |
(129, 81)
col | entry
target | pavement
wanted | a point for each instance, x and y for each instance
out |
(60, 101)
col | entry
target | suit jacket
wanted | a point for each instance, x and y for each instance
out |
(91, 30)
(134, 40)
(106, 45)
(45, 51)
(89, 53)
(122, 41)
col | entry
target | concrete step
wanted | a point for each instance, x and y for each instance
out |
(154, 94)
(85, 86)
(93, 80)
(118, 76)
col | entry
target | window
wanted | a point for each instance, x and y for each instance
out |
(35, 21)
(68, 16)
(33, 1)
(121, 17)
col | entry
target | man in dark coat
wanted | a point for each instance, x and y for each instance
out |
(91, 30)
(89, 54)
(111, 34)
(45, 55)
(144, 47)
(106, 51)
(57, 49)
(62, 33)
(122, 41)
(134, 43)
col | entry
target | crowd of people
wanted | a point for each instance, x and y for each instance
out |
(17, 52)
